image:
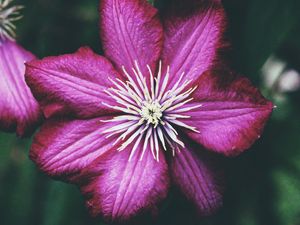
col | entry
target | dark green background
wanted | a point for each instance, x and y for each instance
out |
(263, 185)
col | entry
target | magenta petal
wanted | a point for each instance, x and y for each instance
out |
(192, 37)
(232, 115)
(71, 84)
(62, 148)
(18, 109)
(120, 189)
(131, 30)
(199, 179)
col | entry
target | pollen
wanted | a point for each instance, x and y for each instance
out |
(150, 112)
(8, 15)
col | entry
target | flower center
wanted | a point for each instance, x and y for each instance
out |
(151, 112)
(8, 14)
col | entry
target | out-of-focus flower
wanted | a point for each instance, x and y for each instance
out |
(19, 110)
(278, 77)
(271, 71)
(289, 81)
(125, 126)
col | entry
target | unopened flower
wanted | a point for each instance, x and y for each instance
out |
(126, 126)
(19, 110)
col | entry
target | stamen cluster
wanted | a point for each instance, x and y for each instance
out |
(8, 15)
(149, 115)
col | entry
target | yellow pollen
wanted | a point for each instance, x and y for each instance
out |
(151, 112)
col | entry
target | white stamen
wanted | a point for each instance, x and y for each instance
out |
(116, 132)
(161, 137)
(175, 116)
(173, 136)
(135, 146)
(148, 134)
(143, 81)
(178, 105)
(129, 140)
(172, 128)
(174, 87)
(152, 113)
(187, 109)
(132, 83)
(152, 143)
(121, 95)
(122, 102)
(181, 124)
(127, 132)
(125, 110)
(152, 82)
(164, 84)
(149, 113)
(8, 15)
(157, 79)
(119, 127)
(156, 145)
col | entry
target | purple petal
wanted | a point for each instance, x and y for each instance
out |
(19, 110)
(232, 115)
(199, 179)
(120, 189)
(193, 35)
(71, 84)
(62, 148)
(131, 30)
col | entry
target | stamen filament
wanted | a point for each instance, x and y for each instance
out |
(148, 134)
(132, 83)
(158, 80)
(164, 84)
(8, 15)
(156, 146)
(125, 110)
(178, 105)
(187, 109)
(133, 150)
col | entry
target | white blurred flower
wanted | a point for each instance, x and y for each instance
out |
(271, 70)
(277, 77)
(289, 81)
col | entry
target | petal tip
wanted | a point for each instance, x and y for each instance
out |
(120, 191)
(19, 111)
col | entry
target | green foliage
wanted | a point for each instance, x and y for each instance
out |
(287, 201)
(151, 2)
(258, 29)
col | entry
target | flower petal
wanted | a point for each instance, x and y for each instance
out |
(121, 188)
(71, 84)
(199, 178)
(18, 109)
(193, 35)
(62, 148)
(232, 115)
(131, 30)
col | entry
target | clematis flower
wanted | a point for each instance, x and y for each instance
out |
(125, 126)
(19, 110)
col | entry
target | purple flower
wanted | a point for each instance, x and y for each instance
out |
(19, 110)
(126, 126)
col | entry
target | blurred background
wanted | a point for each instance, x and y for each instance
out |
(263, 184)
